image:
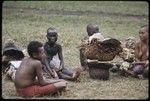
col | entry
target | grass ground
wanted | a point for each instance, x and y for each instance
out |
(25, 21)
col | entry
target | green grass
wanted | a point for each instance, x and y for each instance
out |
(24, 24)
(125, 7)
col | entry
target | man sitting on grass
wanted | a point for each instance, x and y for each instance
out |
(140, 67)
(29, 80)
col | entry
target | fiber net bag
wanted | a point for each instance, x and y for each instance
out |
(102, 50)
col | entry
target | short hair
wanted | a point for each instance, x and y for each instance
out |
(145, 26)
(33, 47)
(93, 26)
(52, 31)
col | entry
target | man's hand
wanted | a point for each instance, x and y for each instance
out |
(60, 68)
(55, 74)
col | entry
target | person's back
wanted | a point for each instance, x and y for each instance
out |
(26, 72)
(31, 68)
(92, 32)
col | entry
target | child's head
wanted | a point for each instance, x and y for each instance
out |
(35, 50)
(52, 35)
(144, 33)
(91, 29)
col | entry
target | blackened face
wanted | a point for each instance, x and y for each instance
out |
(52, 37)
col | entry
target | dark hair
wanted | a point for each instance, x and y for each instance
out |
(146, 26)
(52, 31)
(33, 47)
(93, 26)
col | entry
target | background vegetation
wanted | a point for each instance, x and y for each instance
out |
(25, 21)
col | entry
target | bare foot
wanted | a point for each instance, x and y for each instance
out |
(76, 75)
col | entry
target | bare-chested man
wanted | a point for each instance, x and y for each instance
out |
(29, 80)
(141, 64)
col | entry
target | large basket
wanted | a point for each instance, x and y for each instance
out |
(99, 51)
(99, 70)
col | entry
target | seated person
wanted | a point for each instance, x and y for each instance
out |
(11, 59)
(140, 67)
(54, 56)
(93, 32)
(29, 80)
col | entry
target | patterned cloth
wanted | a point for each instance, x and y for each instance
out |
(36, 90)
(138, 69)
(14, 65)
(125, 65)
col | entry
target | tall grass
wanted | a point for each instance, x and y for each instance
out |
(25, 21)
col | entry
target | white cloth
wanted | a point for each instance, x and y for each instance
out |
(98, 36)
(125, 65)
(55, 62)
(14, 65)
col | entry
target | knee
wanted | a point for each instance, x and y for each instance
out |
(61, 84)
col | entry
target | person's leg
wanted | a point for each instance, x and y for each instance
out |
(61, 84)
(37, 90)
(64, 76)
(138, 69)
(67, 71)
(73, 74)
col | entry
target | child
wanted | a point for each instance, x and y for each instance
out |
(141, 65)
(93, 32)
(55, 58)
(31, 68)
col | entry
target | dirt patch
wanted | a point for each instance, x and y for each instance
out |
(78, 13)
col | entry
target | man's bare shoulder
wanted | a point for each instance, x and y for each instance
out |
(36, 63)
(138, 42)
(31, 61)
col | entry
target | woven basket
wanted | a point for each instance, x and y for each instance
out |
(96, 51)
(99, 70)
(93, 55)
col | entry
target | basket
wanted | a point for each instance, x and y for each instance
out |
(93, 55)
(99, 70)
(101, 51)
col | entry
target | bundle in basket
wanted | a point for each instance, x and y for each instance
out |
(102, 50)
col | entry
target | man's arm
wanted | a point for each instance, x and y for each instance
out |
(137, 51)
(46, 52)
(38, 69)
